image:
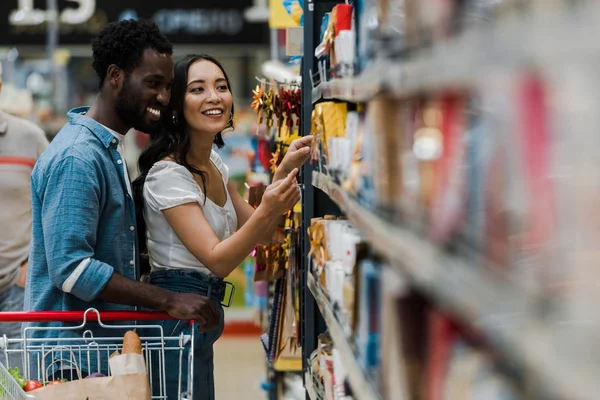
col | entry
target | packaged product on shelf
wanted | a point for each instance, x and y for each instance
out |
(345, 40)
(368, 333)
(342, 241)
(385, 122)
(335, 276)
(515, 196)
(355, 132)
(365, 186)
(338, 162)
(533, 253)
(427, 147)
(411, 317)
(479, 142)
(328, 374)
(394, 367)
(328, 370)
(325, 51)
(411, 201)
(441, 334)
(458, 369)
(346, 153)
(505, 198)
(391, 28)
(316, 130)
(329, 121)
(319, 252)
(317, 363)
(449, 201)
(471, 376)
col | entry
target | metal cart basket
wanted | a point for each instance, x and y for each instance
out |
(89, 352)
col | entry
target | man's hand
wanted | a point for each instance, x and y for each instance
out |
(23, 274)
(189, 306)
(186, 306)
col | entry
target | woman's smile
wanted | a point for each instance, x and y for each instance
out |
(215, 113)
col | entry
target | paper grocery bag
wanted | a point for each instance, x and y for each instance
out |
(125, 364)
(133, 387)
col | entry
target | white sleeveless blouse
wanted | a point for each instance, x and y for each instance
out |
(167, 185)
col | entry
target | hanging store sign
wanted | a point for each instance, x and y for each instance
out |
(186, 22)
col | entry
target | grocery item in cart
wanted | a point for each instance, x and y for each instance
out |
(131, 360)
(129, 379)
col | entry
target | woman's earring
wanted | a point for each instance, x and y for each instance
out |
(174, 119)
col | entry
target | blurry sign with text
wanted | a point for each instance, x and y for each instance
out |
(189, 21)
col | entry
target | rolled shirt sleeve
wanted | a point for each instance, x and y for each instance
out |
(70, 213)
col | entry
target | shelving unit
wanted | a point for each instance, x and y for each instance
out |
(473, 296)
(362, 387)
(513, 322)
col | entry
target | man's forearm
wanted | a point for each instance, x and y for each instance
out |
(122, 290)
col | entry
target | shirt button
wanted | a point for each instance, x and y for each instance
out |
(132, 228)
(119, 161)
(113, 141)
(131, 262)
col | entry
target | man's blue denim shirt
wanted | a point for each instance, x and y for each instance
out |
(83, 223)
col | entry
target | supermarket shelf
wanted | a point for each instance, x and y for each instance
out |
(473, 57)
(310, 387)
(353, 89)
(361, 386)
(509, 318)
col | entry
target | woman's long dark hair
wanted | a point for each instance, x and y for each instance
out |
(173, 140)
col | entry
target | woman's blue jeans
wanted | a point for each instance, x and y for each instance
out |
(203, 382)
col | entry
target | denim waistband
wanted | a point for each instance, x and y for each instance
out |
(189, 282)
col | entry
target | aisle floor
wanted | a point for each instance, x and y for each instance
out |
(239, 368)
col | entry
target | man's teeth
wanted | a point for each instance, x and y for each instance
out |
(153, 111)
(213, 112)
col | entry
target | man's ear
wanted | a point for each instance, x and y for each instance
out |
(115, 76)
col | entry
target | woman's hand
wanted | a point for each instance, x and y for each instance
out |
(295, 157)
(280, 196)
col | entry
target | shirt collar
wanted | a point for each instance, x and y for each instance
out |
(119, 136)
(77, 117)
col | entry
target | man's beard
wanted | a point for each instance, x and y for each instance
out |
(133, 112)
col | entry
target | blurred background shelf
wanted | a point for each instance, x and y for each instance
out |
(544, 41)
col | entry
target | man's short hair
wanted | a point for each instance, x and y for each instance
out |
(123, 43)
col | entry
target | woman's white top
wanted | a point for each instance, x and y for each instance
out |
(167, 185)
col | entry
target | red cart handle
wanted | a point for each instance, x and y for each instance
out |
(91, 315)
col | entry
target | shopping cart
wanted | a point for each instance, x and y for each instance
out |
(89, 351)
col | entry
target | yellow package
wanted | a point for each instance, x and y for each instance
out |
(333, 117)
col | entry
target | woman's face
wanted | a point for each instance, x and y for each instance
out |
(208, 101)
